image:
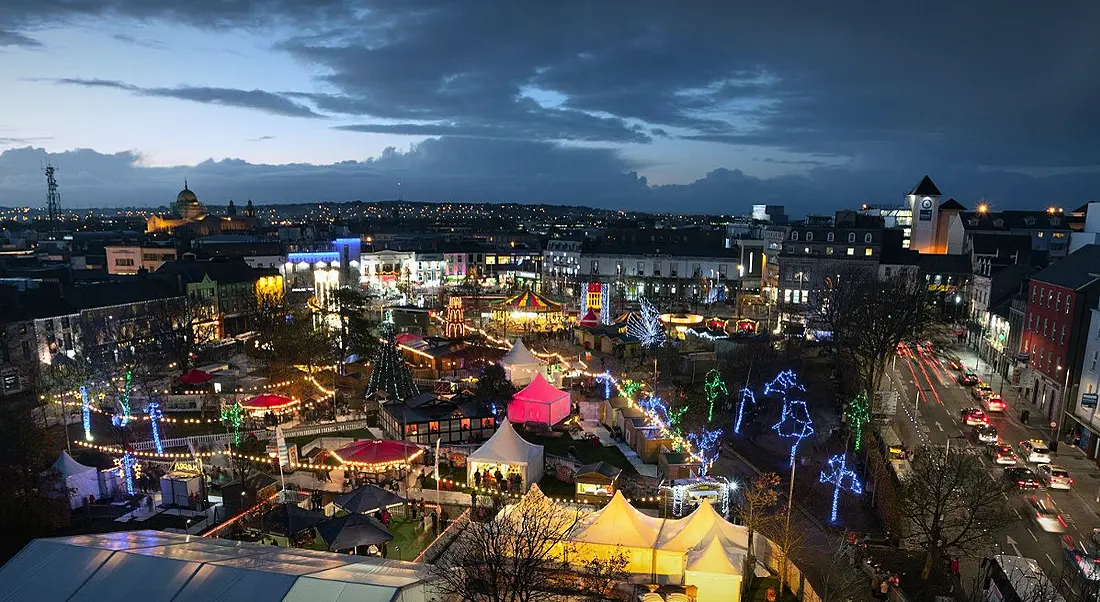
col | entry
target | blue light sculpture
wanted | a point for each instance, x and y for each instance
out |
(747, 397)
(86, 410)
(706, 447)
(841, 477)
(795, 422)
(155, 416)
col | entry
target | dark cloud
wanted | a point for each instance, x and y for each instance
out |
(891, 90)
(14, 38)
(268, 102)
(476, 170)
(9, 141)
(261, 138)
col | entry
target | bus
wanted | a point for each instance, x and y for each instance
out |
(1016, 579)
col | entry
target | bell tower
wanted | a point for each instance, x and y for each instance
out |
(924, 201)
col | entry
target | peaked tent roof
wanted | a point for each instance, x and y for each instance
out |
(519, 355)
(590, 319)
(506, 447)
(713, 557)
(367, 498)
(926, 188)
(529, 301)
(68, 467)
(539, 391)
(351, 530)
(619, 524)
(195, 376)
(686, 533)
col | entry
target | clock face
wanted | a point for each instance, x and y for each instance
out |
(926, 204)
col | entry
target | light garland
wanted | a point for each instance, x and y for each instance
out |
(794, 422)
(746, 397)
(714, 388)
(86, 412)
(858, 414)
(841, 477)
(155, 415)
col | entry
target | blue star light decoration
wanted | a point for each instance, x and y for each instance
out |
(747, 397)
(842, 478)
(86, 412)
(706, 447)
(155, 416)
(795, 422)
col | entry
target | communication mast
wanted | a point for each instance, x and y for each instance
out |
(53, 198)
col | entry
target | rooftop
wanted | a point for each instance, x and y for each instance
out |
(1074, 270)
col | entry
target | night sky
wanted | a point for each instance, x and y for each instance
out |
(675, 106)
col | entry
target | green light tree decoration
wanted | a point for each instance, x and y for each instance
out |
(715, 388)
(233, 417)
(389, 371)
(858, 413)
(630, 388)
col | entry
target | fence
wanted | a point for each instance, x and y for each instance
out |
(262, 435)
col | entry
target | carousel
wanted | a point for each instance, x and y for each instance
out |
(529, 310)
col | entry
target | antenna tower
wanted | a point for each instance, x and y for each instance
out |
(53, 198)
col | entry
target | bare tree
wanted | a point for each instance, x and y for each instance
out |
(951, 505)
(516, 556)
(870, 316)
(840, 580)
(756, 513)
(789, 539)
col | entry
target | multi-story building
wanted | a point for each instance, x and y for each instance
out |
(1059, 300)
(820, 249)
(1048, 230)
(223, 295)
(561, 267)
(386, 269)
(127, 260)
(1084, 413)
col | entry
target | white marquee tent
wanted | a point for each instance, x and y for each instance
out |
(507, 450)
(80, 480)
(520, 365)
(619, 527)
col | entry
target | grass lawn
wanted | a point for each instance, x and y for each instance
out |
(586, 453)
(409, 539)
(554, 488)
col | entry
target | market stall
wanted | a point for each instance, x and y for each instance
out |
(541, 403)
(520, 365)
(80, 481)
(506, 457)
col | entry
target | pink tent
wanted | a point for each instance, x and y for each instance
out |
(539, 402)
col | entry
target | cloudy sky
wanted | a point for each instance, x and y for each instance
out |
(686, 106)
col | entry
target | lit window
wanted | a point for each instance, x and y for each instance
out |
(867, 251)
(828, 250)
(851, 251)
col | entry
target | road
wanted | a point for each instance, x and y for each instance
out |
(940, 398)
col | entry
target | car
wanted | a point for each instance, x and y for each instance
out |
(981, 391)
(1021, 477)
(1055, 477)
(974, 417)
(994, 403)
(968, 378)
(1001, 453)
(985, 434)
(1034, 450)
(955, 364)
(1046, 515)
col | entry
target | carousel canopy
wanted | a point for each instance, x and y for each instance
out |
(346, 532)
(529, 301)
(378, 452)
(268, 401)
(195, 377)
(366, 499)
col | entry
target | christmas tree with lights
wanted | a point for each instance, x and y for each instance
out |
(390, 373)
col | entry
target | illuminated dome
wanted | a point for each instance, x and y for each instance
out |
(186, 197)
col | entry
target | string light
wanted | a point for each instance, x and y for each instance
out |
(607, 380)
(128, 467)
(155, 415)
(746, 397)
(706, 445)
(795, 422)
(841, 477)
(858, 414)
(646, 325)
(233, 416)
(714, 388)
(86, 413)
(390, 373)
(123, 418)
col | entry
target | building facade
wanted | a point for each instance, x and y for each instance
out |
(127, 260)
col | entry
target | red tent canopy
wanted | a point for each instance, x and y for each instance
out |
(378, 452)
(195, 377)
(268, 401)
(589, 319)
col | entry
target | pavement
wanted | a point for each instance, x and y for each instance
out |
(940, 400)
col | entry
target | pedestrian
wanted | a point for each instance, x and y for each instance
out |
(477, 478)
(955, 566)
(884, 589)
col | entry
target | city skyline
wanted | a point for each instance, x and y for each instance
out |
(641, 108)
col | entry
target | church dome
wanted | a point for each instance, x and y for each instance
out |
(186, 197)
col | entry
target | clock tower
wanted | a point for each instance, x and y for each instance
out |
(924, 201)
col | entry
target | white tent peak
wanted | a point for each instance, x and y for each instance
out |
(686, 533)
(505, 446)
(519, 355)
(68, 467)
(711, 556)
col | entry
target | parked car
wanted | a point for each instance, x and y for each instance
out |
(974, 417)
(1021, 477)
(1034, 450)
(994, 403)
(1001, 453)
(1055, 477)
(968, 378)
